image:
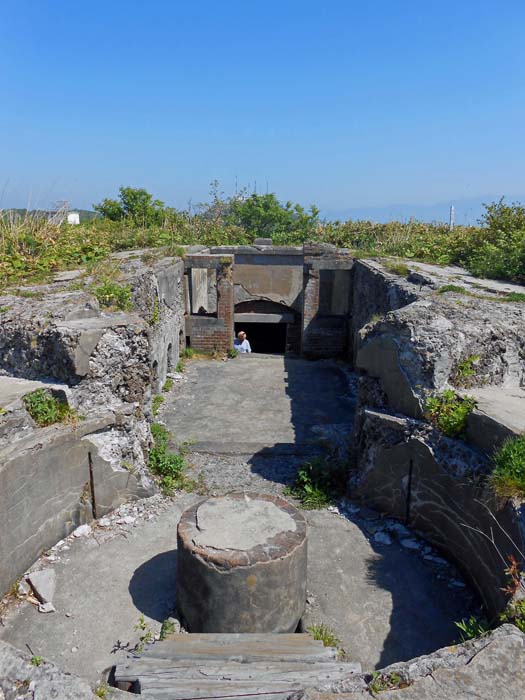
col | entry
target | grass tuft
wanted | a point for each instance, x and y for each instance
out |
(508, 476)
(449, 412)
(45, 409)
(318, 483)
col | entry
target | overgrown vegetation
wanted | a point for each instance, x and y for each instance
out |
(472, 627)
(318, 483)
(169, 467)
(113, 295)
(449, 412)
(32, 246)
(45, 409)
(168, 385)
(508, 476)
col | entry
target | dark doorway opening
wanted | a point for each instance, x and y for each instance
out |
(268, 338)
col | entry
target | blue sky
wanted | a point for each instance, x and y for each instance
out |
(350, 105)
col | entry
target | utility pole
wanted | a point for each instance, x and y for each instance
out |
(451, 220)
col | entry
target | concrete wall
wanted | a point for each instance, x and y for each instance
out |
(438, 486)
(51, 482)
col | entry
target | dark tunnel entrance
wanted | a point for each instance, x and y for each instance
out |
(267, 338)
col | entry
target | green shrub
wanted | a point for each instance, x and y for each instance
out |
(472, 627)
(112, 295)
(508, 476)
(45, 409)
(232, 353)
(318, 483)
(449, 412)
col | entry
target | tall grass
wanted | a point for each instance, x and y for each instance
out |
(32, 247)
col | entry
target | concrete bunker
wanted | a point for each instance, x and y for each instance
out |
(402, 336)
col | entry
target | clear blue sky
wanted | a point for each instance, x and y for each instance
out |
(345, 104)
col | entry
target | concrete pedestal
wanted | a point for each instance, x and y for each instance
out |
(241, 565)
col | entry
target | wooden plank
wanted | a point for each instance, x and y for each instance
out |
(245, 648)
(304, 673)
(201, 689)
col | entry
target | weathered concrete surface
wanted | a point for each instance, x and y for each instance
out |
(241, 565)
(421, 347)
(499, 415)
(486, 668)
(22, 680)
(438, 485)
(104, 582)
(232, 523)
(51, 481)
(363, 589)
(247, 405)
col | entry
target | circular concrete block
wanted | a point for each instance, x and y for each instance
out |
(241, 564)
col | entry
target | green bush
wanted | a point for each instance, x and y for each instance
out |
(508, 476)
(45, 409)
(449, 412)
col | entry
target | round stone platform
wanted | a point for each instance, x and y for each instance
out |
(241, 564)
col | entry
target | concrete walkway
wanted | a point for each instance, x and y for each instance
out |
(252, 403)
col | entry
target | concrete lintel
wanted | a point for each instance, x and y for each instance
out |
(210, 262)
(264, 318)
(332, 264)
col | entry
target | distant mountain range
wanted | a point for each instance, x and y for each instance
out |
(466, 211)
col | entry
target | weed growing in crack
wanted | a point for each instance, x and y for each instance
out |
(45, 409)
(232, 353)
(102, 691)
(168, 627)
(146, 636)
(168, 385)
(36, 661)
(508, 477)
(324, 634)
(396, 267)
(452, 288)
(169, 467)
(180, 367)
(318, 483)
(465, 370)
(515, 610)
(386, 681)
(449, 412)
(472, 627)
(156, 403)
(188, 353)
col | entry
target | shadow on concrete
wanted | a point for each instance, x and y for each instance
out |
(153, 586)
(423, 609)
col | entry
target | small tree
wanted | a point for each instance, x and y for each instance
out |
(264, 215)
(135, 204)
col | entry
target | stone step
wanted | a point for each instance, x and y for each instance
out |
(242, 647)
